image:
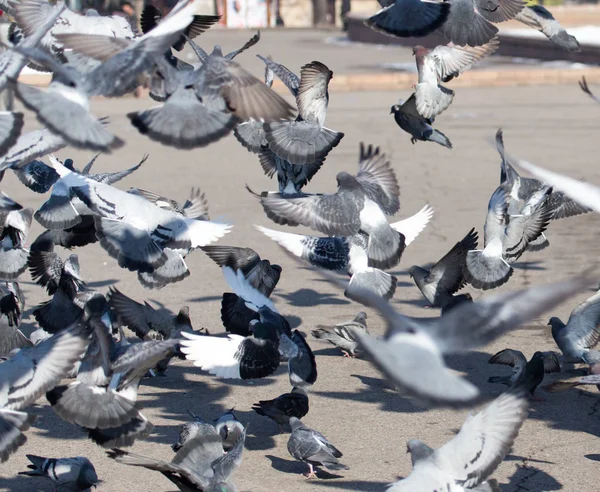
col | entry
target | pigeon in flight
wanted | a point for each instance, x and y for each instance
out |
(77, 474)
(304, 140)
(540, 18)
(15, 222)
(445, 278)
(409, 18)
(470, 457)
(341, 335)
(31, 146)
(280, 409)
(526, 375)
(199, 465)
(443, 64)
(28, 374)
(411, 353)
(12, 304)
(313, 448)
(360, 204)
(419, 128)
(581, 333)
(227, 426)
(350, 254)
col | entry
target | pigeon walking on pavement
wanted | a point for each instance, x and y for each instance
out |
(76, 474)
(282, 408)
(341, 334)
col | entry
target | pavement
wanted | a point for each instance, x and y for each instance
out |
(351, 402)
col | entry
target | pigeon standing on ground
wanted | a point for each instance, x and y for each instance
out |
(439, 284)
(341, 335)
(227, 426)
(76, 474)
(230, 429)
(468, 459)
(526, 375)
(581, 333)
(408, 118)
(280, 409)
(313, 448)
(538, 17)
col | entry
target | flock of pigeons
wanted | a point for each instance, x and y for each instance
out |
(81, 331)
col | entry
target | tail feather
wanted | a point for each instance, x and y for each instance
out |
(486, 272)
(380, 283)
(438, 137)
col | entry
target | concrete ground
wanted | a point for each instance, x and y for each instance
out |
(351, 403)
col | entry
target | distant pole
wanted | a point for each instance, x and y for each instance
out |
(320, 11)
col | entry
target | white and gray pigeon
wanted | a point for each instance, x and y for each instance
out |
(350, 254)
(199, 465)
(28, 374)
(230, 429)
(408, 18)
(581, 333)
(15, 222)
(73, 474)
(304, 141)
(360, 204)
(313, 448)
(442, 64)
(540, 18)
(419, 128)
(411, 354)
(12, 304)
(341, 335)
(466, 461)
(189, 430)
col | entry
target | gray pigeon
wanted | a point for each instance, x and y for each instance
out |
(28, 374)
(230, 429)
(227, 426)
(526, 375)
(360, 204)
(411, 353)
(470, 457)
(11, 125)
(585, 88)
(445, 278)
(12, 304)
(280, 409)
(419, 128)
(305, 140)
(581, 333)
(408, 18)
(341, 335)
(540, 18)
(313, 448)
(15, 222)
(199, 465)
(302, 366)
(75, 474)
(189, 430)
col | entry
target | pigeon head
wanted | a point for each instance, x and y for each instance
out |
(395, 109)
(183, 317)
(417, 273)
(538, 356)
(71, 267)
(295, 423)
(418, 450)
(346, 180)
(217, 51)
(69, 164)
(361, 317)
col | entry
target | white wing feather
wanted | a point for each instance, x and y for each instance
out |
(412, 226)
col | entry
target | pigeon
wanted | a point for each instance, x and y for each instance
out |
(540, 18)
(528, 375)
(361, 203)
(445, 278)
(341, 334)
(203, 105)
(304, 140)
(350, 254)
(302, 366)
(585, 88)
(470, 457)
(70, 89)
(469, 22)
(581, 333)
(12, 304)
(11, 125)
(195, 207)
(15, 222)
(280, 409)
(230, 429)
(31, 146)
(227, 426)
(408, 18)
(28, 374)
(199, 465)
(76, 474)
(443, 64)
(411, 353)
(313, 448)
(190, 430)
(408, 118)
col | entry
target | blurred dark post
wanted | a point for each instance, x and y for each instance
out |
(320, 13)
(345, 9)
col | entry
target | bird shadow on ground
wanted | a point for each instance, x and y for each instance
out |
(102, 283)
(358, 485)
(529, 265)
(205, 299)
(531, 478)
(309, 297)
(19, 483)
(513, 457)
(296, 467)
(593, 457)
(329, 352)
(476, 370)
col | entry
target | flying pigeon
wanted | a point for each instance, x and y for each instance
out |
(199, 465)
(313, 448)
(540, 18)
(527, 375)
(280, 409)
(470, 457)
(190, 430)
(350, 254)
(341, 335)
(409, 18)
(419, 128)
(77, 474)
(445, 278)
(31, 146)
(12, 304)
(15, 222)
(581, 333)
(443, 64)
